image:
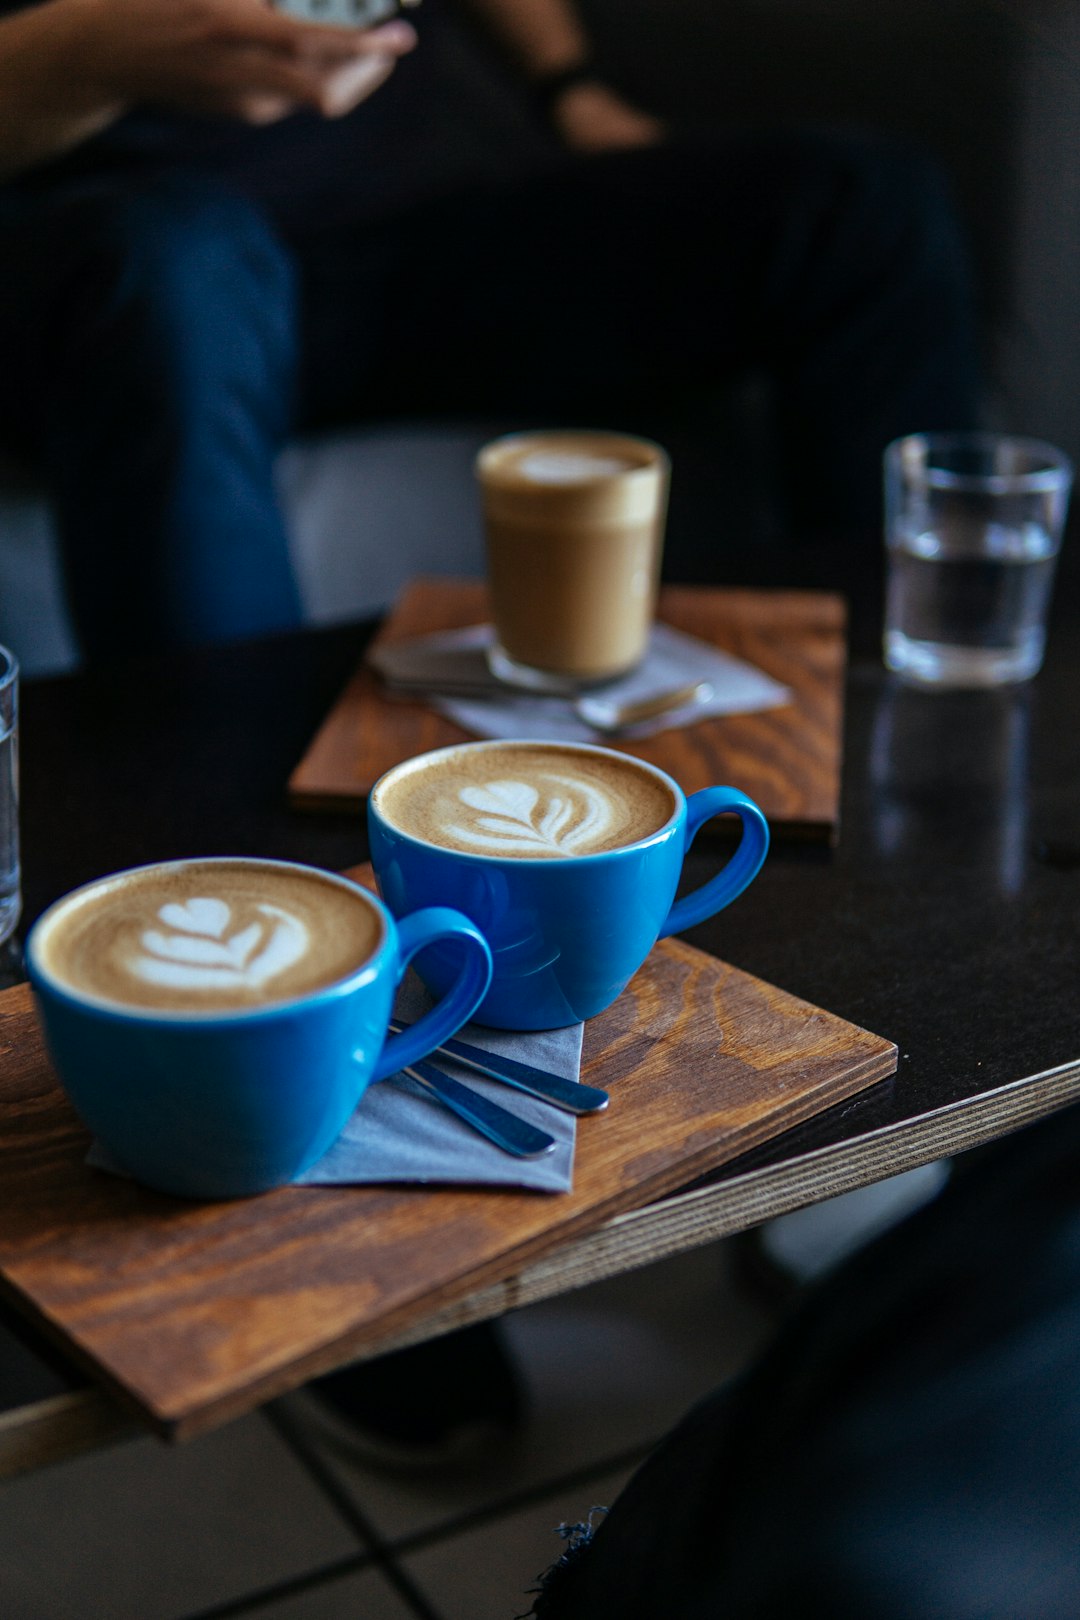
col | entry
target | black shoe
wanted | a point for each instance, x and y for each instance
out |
(431, 1405)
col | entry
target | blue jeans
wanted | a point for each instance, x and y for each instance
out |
(148, 352)
(161, 336)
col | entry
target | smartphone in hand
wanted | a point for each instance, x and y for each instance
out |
(344, 13)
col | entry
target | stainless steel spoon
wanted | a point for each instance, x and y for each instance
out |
(508, 1131)
(572, 1096)
(611, 718)
(597, 712)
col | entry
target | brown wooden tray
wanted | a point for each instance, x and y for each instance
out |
(194, 1313)
(787, 759)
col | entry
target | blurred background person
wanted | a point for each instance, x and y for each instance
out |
(220, 227)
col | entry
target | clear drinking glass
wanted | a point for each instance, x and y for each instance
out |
(973, 526)
(10, 876)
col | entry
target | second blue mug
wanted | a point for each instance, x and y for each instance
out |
(568, 924)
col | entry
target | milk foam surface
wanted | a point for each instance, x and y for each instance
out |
(526, 802)
(207, 936)
(569, 467)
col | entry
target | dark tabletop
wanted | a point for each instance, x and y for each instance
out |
(946, 918)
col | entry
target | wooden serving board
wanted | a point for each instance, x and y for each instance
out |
(787, 759)
(195, 1312)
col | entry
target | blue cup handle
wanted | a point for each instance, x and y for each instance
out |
(466, 993)
(742, 868)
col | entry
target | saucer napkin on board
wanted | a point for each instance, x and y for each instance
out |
(449, 672)
(400, 1134)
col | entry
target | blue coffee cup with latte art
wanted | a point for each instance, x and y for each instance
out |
(566, 856)
(216, 1021)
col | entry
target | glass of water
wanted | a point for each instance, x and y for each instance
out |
(973, 525)
(10, 884)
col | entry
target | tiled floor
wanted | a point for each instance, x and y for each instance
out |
(237, 1524)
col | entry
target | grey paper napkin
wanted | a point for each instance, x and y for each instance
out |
(449, 670)
(400, 1134)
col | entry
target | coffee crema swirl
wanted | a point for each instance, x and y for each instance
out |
(208, 936)
(526, 801)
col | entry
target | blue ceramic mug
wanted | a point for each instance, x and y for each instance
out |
(204, 1099)
(513, 835)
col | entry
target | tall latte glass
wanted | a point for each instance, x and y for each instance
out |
(216, 1022)
(574, 524)
(567, 857)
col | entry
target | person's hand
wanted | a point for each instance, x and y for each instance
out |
(345, 86)
(231, 58)
(590, 117)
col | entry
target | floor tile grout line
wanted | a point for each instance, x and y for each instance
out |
(512, 1502)
(311, 1580)
(326, 1480)
(517, 1501)
(310, 1457)
(382, 1555)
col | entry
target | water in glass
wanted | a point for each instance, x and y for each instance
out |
(968, 607)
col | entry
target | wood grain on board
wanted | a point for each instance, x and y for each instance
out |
(196, 1312)
(787, 759)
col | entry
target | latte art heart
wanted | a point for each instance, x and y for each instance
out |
(516, 817)
(529, 801)
(211, 935)
(198, 916)
(196, 954)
